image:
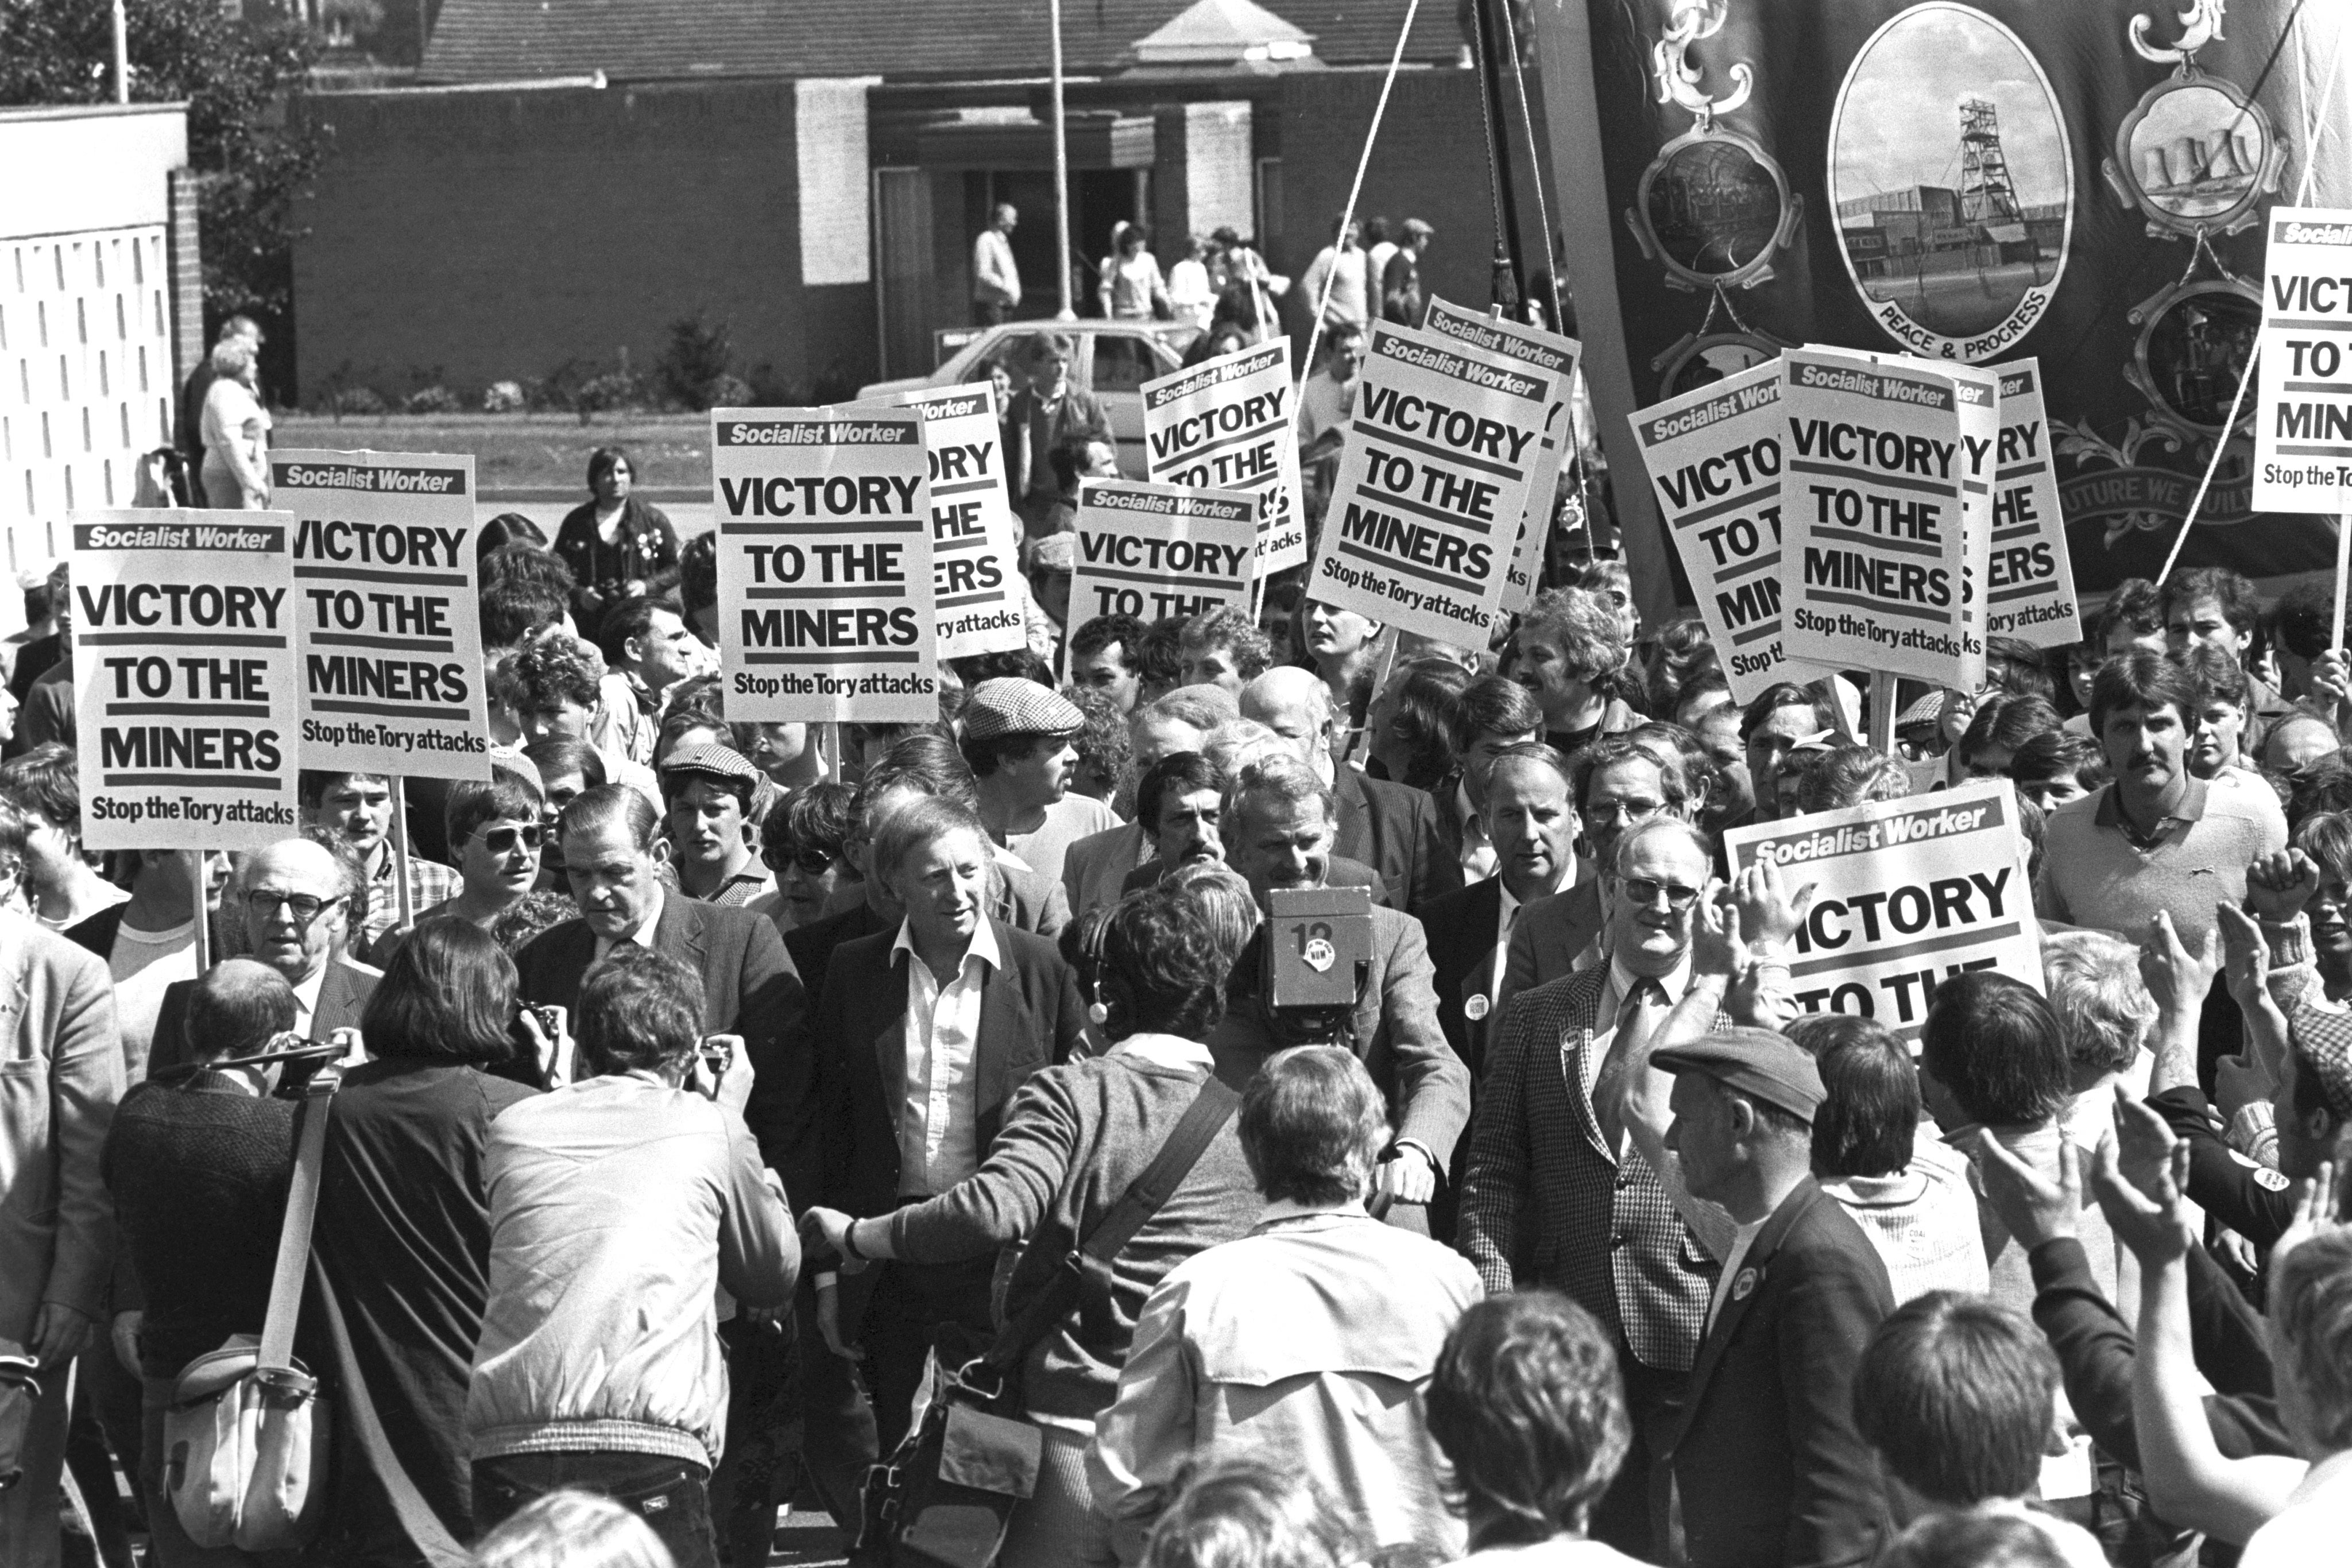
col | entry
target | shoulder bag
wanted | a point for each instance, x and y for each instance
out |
(244, 1439)
(946, 1498)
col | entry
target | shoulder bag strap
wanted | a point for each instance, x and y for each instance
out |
(418, 1520)
(1211, 1109)
(294, 1237)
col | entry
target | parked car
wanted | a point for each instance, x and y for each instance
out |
(1113, 361)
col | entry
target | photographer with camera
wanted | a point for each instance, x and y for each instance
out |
(620, 1206)
(1278, 824)
(1075, 1139)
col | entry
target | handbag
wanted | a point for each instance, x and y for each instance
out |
(945, 1499)
(20, 1394)
(245, 1438)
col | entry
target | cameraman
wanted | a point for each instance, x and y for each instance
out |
(620, 1206)
(1278, 825)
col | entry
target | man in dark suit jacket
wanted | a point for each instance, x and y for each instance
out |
(923, 1033)
(1769, 1468)
(1554, 1193)
(749, 985)
(1532, 825)
(273, 891)
(1278, 836)
(1392, 828)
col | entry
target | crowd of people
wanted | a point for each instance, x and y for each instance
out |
(703, 1098)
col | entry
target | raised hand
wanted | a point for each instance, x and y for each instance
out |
(2279, 883)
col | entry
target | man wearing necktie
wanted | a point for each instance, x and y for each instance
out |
(749, 985)
(1555, 1197)
(1530, 820)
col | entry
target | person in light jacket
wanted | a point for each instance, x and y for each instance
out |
(621, 1206)
(1307, 1341)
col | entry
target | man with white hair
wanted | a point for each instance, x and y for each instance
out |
(295, 898)
(1391, 827)
(1278, 829)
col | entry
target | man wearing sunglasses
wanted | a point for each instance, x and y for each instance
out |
(1551, 1179)
(293, 897)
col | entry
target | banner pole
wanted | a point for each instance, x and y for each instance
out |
(401, 901)
(1882, 712)
(196, 879)
(2343, 568)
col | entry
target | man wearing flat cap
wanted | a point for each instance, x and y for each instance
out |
(1767, 1468)
(709, 794)
(1017, 737)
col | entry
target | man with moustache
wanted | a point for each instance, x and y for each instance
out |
(1180, 803)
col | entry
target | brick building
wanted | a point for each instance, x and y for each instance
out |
(574, 179)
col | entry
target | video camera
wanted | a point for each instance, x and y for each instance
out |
(1316, 959)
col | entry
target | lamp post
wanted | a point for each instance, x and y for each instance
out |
(1061, 183)
(121, 55)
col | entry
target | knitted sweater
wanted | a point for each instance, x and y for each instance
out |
(1923, 1221)
(1073, 1138)
(199, 1171)
(2094, 876)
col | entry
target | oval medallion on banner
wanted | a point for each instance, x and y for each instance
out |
(1953, 181)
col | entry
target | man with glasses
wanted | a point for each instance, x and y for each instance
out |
(1616, 784)
(294, 897)
(1554, 1185)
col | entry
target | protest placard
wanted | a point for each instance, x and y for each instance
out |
(1714, 457)
(1432, 484)
(1151, 550)
(185, 682)
(1905, 895)
(825, 608)
(388, 626)
(2031, 587)
(1226, 424)
(1556, 357)
(1874, 565)
(976, 537)
(2303, 412)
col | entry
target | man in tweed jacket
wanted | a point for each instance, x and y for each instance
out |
(1553, 1196)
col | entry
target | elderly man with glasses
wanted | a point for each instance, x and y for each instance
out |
(1557, 1194)
(294, 897)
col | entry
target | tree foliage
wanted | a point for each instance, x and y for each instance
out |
(233, 74)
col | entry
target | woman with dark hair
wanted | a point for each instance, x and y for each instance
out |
(1908, 1192)
(613, 544)
(509, 529)
(403, 1234)
(1075, 1139)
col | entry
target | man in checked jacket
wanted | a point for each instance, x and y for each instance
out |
(1556, 1195)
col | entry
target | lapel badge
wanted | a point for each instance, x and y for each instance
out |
(1475, 1007)
(1744, 1286)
